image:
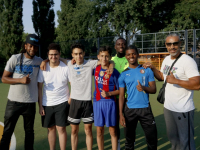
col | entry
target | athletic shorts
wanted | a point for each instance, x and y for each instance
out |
(80, 109)
(105, 113)
(56, 115)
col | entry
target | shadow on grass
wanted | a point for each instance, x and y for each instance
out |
(41, 142)
(140, 144)
(163, 142)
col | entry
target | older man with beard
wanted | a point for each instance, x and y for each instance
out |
(179, 105)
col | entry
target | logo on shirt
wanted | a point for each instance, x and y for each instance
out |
(101, 81)
(166, 69)
(101, 73)
(153, 122)
(106, 76)
(25, 69)
(128, 74)
(142, 71)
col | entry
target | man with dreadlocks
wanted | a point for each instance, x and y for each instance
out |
(21, 73)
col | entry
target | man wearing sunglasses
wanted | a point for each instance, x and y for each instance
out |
(179, 105)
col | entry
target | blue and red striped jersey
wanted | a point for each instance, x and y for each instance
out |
(106, 82)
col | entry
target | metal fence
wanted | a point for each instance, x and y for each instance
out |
(147, 43)
(155, 42)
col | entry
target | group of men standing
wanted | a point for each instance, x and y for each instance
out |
(131, 81)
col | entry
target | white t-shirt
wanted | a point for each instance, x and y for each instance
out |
(55, 90)
(177, 98)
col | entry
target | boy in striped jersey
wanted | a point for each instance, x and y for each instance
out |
(104, 102)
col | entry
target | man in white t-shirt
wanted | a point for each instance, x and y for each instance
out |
(53, 105)
(178, 106)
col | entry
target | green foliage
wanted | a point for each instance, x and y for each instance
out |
(87, 19)
(100, 18)
(186, 15)
(11, 27)
(43, 22)
(24, 35)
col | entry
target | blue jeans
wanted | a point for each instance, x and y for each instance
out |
(12, 113)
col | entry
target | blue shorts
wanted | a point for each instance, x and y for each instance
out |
(104, 113)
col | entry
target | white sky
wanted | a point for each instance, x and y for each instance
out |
(28, 12)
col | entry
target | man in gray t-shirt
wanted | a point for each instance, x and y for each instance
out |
(21, 73)
(81, 95)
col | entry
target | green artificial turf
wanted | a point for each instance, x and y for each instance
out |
(41, 142)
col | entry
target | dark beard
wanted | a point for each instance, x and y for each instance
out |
(29, 54)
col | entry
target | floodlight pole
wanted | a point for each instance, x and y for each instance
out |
(142, 43)
(155, 42)
(186, 41)
(194, 44)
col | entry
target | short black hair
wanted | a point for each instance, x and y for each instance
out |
(132, 47)
(77, 45)
(121, 38)
(105, 48)
(54, 46)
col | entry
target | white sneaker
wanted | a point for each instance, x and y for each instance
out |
(118, 145)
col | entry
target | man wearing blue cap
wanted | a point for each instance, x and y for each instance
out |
(21, 73)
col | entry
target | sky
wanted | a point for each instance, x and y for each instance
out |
(28, 12)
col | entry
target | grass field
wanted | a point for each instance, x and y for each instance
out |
(41, 142)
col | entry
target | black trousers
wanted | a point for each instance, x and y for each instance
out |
(146, 118)
(12, 113)
(117, 119)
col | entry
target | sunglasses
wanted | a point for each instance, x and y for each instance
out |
(170, 44)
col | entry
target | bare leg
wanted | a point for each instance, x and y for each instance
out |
(52, 137)
(74, 136)
(113, 134)
(89, 138)
(100, 138)
(62, 133)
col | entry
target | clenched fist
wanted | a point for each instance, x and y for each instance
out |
(25, 80)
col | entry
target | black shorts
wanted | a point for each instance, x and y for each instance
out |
(80, 109)
(56, 115)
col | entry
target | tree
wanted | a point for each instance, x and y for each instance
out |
(43, 23)
(11, 27)
(186, 15)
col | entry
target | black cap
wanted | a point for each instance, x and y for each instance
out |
(32, 39)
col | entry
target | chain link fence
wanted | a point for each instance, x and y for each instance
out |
(151, 46)
(150, 43)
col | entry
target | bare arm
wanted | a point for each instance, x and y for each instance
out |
(69, 100)
(41, 109)
(6, 78)
(158, 75)
(111, 66)
(151, 89)
(43, 64)
(110, 93)
(121, 105)
(63, 60)
(192, 84)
